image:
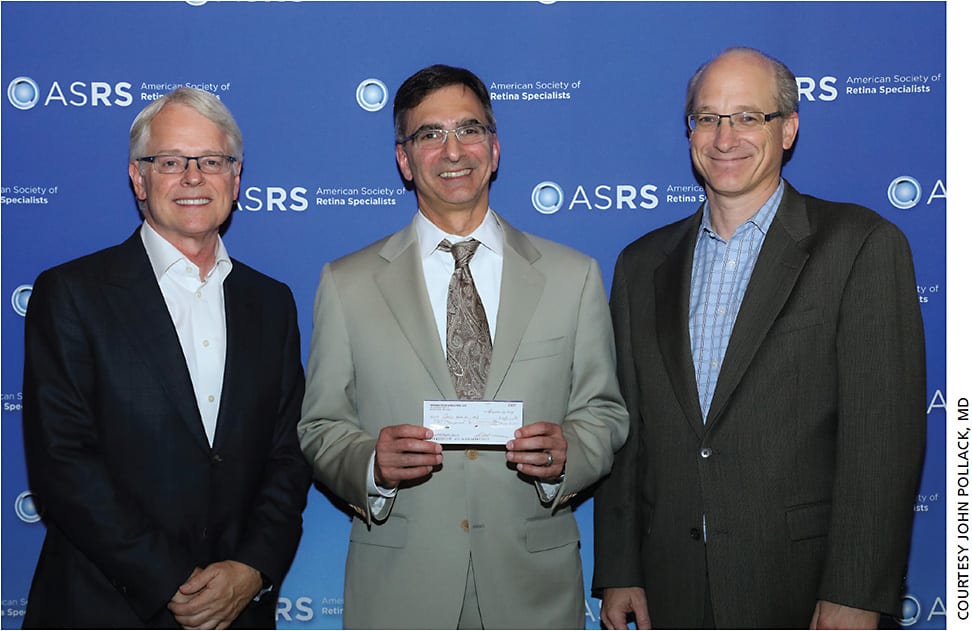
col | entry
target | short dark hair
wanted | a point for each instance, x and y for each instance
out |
(430, 79)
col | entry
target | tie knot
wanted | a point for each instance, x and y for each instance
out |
(461, 251)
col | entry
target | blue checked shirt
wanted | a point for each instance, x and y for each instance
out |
(720, 274)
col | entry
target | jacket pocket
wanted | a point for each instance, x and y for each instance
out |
(540, 348)
(393, 533)
(547, 533)
(808, 520)
(796, 321)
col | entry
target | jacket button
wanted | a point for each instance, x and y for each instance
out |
(695, 534)
(464, 525)
(472, 454)
(705, 452)
(217, 459)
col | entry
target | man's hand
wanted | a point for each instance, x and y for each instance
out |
(404, 452)
(618, 602)
(828, 615)
(539, 450)
(214, 596)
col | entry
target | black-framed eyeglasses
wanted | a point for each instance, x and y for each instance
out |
(215, 164)
(427, 138)
(707, 121)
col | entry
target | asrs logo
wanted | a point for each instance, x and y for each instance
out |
(817, 89)
(298, 609)
(274, 198)
(548, 197)
(372, 95)
(24, 94)
(904, 192)
(26, 509)
(301, 609)
(912, 612)
(20, 298)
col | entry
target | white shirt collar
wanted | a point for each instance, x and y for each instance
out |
(163, 255)
(489, 233)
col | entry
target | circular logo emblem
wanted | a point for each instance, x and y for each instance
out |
(904, 192)
(23, 93)
(548, 197)
(20, 298)
(26, 509)
(372, 95)
(910, 611)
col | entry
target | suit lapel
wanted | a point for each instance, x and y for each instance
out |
(777, 269)
(520, 290)
(132, 290)
(673, 281)
(243, 333)
(402, 284)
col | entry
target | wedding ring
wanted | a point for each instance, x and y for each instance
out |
(549, 458)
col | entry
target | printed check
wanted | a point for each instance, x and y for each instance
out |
(473, 422)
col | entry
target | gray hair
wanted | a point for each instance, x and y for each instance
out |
(787, 94)
(203, 102)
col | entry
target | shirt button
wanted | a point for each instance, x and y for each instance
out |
(732, 263)
(198, 294)
(695, 534)
(721, 311)
(472, 454)
(705, 452)
(464, 525)
(205, 343)
(211, 398)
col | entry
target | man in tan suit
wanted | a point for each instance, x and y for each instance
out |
(451, 537)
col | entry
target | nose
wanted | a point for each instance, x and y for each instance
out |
(725, 135)
(192, 174)
(453, 147)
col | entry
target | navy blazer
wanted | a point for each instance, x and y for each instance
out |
(132, 494)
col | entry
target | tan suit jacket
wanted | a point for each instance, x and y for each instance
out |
(376, 356)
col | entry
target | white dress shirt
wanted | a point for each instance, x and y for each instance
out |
(438, 265)
(196, 309)
(486, 267)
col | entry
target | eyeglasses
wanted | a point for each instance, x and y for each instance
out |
(210, 165)
(706, 121)
(426, 138)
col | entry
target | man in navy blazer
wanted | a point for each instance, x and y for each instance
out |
(771, 355)
(162, 388)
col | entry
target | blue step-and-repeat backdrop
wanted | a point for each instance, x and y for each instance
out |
(588, 97)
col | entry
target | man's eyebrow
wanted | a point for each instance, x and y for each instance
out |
(462, 123)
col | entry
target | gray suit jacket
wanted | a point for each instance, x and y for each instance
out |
(807, 465)
(375, 356)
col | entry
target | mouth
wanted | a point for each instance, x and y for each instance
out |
(195, 201)
(727, 161)
(454, 174)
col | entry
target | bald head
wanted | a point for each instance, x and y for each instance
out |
(786, 96)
